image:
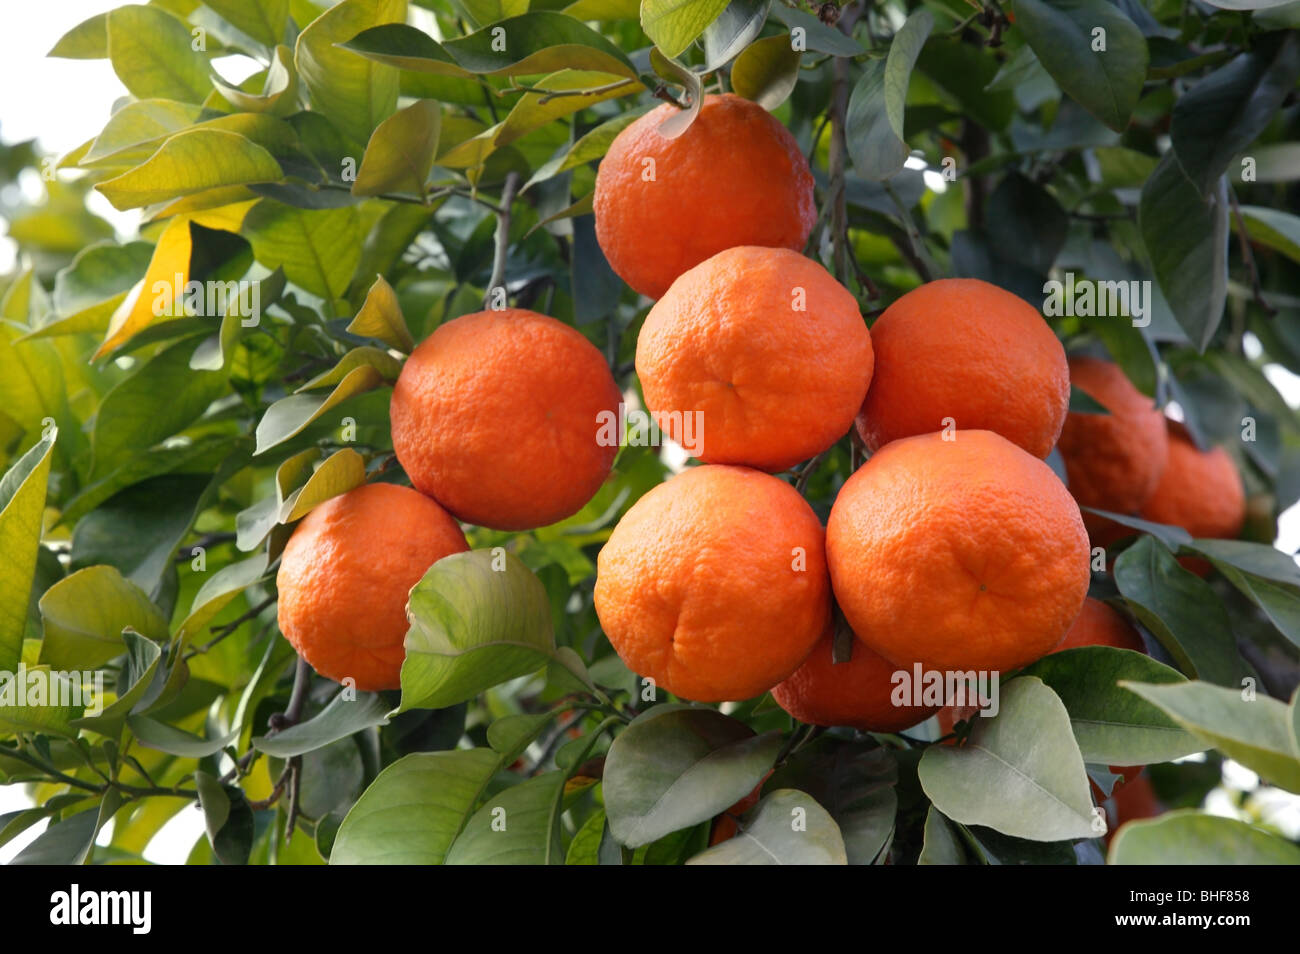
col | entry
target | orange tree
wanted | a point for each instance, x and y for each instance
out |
(173, 404)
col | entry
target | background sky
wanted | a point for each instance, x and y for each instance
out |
(62, 103)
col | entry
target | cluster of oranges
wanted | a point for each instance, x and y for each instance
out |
(954, 546)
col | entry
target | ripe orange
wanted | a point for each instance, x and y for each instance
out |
(856, 693)
(345, 575)
(714, 583)
(498, 416)
(1100, 625)
(724, 826)
(962, 554)
(963, 349)
(1199, 491)
(759, 350)
(735, 177)
(1112, 461)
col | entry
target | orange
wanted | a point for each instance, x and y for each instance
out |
(1199, 491)
(1112, 461)
(962, 554)
(498, 416)
(735, 177)
(856, 693)
(714, 583)
(1100, 625)
(963, 350)
(345, 575)
(756, 356)
(724, 826)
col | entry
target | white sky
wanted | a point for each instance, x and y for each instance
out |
(62, 103)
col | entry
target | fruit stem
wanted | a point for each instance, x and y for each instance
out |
(502, 237)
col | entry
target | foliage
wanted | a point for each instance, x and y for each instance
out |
(376, 177)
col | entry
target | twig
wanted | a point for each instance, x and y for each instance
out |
(1248, 255)
(502, 237)
(225, 630)
(550, 94)
(206, 541)
(837, 194)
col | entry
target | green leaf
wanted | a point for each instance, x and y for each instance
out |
(22, 507)
(400, 153)
(355, 93)
(519, 826)
(85, 613)
(289, 416)
(338, 720)
(279, 94)
(941, 845)
(674, 25)
(218, 591)
(766, 72)
(1171, 536)
(160, 398)
(152, 55)
(88, 40)
(1249, 4)
(414, 809)
(34, 705)
(1254, 730)
(1111, 726)
(811, 34)
(1193, 838)
(1186, 239)
(535, 110)
(1180, 609)
(1276, 229)
(674, 767)
(584, 849)
(138, 530)
(380, 317)
(527, 45)
(477, 619)
(228, 819)
(1105, 82)
(690, 81)
(263, 20)
(384, 363)
(589, 148)
(1228, 110)
(317, 248)
(143, 659)
(190, 162)
(243, 309)
(98, 273)
(1081, 402)
(1266, 576)
(874, 124)
(173, 741)
(1019, 772)
(71, 840)
(854, 781)
(788, 828)
(511, 735)
(737, 27)
(340, 472)
(137, 129)
(1026, 217)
